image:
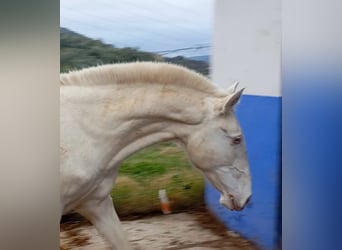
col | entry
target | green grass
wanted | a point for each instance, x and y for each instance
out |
(162, 166)
(155, 161)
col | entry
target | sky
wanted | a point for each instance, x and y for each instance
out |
(150, 25)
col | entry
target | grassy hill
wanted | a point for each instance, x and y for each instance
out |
(78, 51)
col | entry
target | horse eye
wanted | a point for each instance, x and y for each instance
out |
(224, 130)
(236, 140)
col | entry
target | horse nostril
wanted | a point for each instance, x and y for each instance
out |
(231, 197)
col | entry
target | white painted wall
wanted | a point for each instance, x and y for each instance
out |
(247, 35)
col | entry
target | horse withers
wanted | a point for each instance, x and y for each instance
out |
(109, 112)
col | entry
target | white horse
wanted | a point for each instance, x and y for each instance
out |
(109, 112)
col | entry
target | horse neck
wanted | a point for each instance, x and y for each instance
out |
(130, 118)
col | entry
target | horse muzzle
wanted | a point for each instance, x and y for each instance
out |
(231, 202)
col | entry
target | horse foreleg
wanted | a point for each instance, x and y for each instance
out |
(103, 216)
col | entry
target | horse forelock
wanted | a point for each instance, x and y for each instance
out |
(139, 72)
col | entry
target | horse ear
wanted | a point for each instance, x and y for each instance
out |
(231, 101)
(232, 88)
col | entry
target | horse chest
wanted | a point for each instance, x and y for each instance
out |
(79, 186)
(96, 192)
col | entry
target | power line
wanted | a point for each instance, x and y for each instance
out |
(131, 30)
(164, 52)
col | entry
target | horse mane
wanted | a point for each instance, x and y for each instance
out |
(139, 72)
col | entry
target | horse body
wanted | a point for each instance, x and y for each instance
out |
(110, 112)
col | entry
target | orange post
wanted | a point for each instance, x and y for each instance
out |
(164, 202)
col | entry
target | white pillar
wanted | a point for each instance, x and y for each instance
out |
(247, 36)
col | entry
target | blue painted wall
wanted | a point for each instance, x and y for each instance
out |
(312, 157)
(260, 119)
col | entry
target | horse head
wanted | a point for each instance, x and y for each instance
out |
(217, 148)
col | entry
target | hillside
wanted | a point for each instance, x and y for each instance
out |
(78, 51)
(205, 58)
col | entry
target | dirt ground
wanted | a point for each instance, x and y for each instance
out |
(194, 230)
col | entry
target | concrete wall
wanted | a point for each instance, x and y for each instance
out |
(247, 37)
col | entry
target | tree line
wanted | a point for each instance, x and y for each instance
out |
(78, 51)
